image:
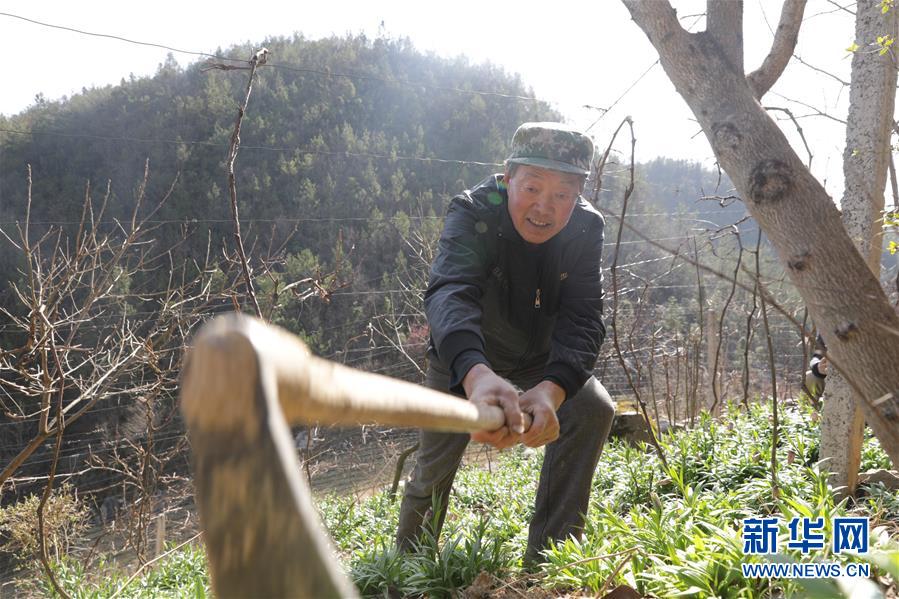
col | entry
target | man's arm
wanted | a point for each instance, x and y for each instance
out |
(453, 308)
(452, 300)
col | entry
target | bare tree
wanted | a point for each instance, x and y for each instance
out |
(844, 298)
(96, 330)
(256, 60)
(82, 336)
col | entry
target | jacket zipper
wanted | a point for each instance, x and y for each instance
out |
(533, 332)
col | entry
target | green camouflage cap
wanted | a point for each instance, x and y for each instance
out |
(554, 146)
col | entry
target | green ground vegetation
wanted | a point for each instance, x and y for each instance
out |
(665, 532)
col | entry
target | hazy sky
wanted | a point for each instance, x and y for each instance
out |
(578, 53)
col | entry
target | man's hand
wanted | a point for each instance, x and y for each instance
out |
(483, 386)
(541, 402)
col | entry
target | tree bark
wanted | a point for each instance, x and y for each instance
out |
(872, 96)
(843, 296)
(725, 26)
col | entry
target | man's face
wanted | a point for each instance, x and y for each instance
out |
(541, 201)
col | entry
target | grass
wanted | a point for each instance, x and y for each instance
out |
(666, 533)
(181, 574)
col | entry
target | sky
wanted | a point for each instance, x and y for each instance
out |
(576, 55)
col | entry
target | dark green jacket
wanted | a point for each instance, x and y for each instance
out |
(494, 298)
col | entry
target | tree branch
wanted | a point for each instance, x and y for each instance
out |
(841, 7)
(48, 490)
(232, 187)
(775, 425)
(782, 48)
(730, 297)
(613, 271)
(657, 19)
(725, 25)
(820, 70)
(798, 130)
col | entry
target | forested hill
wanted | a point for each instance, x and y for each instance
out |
(675, 183)
(386, 105)
(346, 138)
(349, 149)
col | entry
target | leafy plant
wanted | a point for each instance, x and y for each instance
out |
(666, 533)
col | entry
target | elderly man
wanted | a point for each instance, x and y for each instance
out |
(514, 302)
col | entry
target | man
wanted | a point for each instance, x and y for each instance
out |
(817, 373)
(515, 294)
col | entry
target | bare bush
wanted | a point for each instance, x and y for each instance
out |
(64, 520)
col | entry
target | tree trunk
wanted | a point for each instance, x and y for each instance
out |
(843, 296)
(865, 163)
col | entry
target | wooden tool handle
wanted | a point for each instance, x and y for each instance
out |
(311, 389)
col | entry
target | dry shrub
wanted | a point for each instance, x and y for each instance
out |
(65, 516)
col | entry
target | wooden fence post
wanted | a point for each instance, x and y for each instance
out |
(160, 535)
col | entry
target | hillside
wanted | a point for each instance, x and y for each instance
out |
(336, 141)
(350, 150)
(666, 532)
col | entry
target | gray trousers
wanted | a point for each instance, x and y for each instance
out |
(563, 493)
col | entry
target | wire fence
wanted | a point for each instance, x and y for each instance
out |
(670, 373)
